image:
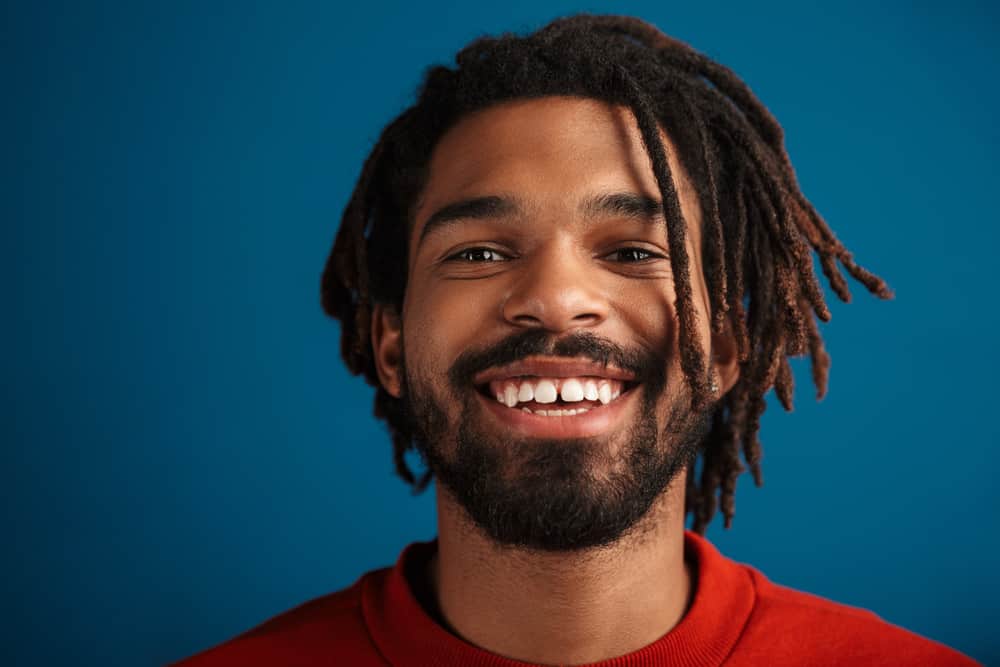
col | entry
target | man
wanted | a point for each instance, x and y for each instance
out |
(573, 269)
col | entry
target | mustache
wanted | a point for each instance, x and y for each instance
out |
(649, 367)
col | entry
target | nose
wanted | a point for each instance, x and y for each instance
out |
(557, 289)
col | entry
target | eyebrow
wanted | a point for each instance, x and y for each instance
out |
(626, 205)
(620, 204)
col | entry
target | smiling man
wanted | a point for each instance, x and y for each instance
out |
(572, 270)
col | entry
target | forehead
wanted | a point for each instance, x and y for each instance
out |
(549, 153)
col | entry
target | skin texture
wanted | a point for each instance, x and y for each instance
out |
(561, 269)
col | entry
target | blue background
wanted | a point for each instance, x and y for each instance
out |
(184, 455)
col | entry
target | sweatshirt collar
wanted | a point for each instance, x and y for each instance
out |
(406, 634)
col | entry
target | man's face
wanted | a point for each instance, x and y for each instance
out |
(537, 355)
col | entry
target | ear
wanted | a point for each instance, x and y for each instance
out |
(387, 344)
(725, 358)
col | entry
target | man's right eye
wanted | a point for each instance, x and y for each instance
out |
(477, 256)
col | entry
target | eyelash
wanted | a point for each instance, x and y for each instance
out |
(462, 255)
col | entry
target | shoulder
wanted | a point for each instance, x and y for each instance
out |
(793, 627)
(312, 632)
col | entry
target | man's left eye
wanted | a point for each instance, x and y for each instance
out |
(632, 254)
(477, 255)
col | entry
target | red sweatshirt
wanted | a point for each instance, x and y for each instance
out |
(737, 618)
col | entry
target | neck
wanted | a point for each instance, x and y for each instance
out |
(563, 608)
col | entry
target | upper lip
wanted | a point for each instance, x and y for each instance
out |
(553, 367)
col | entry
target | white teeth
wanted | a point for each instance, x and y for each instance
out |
(571, 391)
(604, 393)
(545, 392)
(510, 395)
(513, 391)
(556, 413)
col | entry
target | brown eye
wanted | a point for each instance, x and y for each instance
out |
(632, 255)
(477, 256)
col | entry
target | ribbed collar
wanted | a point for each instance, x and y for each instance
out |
(406, 635)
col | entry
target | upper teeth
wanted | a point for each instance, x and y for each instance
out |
(512, 391)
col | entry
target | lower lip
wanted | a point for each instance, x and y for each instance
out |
(595, 421)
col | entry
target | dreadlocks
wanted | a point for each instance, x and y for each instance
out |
(759, 229)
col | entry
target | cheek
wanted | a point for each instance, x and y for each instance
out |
(647, 309)
(441, 324)
(648, 312)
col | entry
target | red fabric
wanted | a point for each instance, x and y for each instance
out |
(737, 618)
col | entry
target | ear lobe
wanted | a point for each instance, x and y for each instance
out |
(387, 344)
(725, 358)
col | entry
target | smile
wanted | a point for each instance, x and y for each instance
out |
(556, 398)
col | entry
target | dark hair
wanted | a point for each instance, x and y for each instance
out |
(758, 227)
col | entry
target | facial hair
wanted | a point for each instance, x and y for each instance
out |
(554, 495)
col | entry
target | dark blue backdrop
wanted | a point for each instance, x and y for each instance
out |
(183, 453)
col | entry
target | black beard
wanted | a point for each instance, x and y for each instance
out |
(560, 494)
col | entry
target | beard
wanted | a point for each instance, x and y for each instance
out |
(554, 495)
